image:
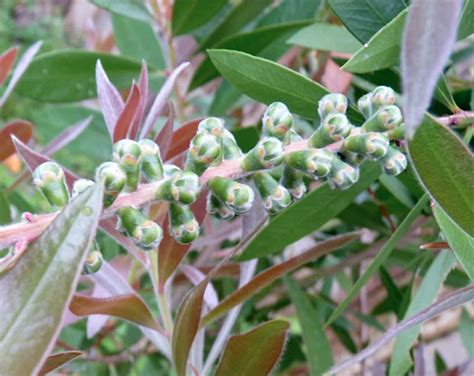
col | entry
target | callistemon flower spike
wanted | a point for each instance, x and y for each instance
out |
(152, 165)
(268, 153)
(145, 233)
(182, 187)
(49, 178)
(237, 196)
(385, 119)
(127, 153)
(373, 145)
(183, 226)
(114, 180)
(277, 121)
(397, 133)
(275, 197)
(293, 181)
(364, 104)
(394, 162)
(382, 96)
(332, 104)
(211, 125)
(94, 260)
(342, 175)
(315, 162)
(217, 208)
(230, 148)
(205, 150)
(335, 127)
(80, 185)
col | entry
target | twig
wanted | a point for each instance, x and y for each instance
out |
(460, 119)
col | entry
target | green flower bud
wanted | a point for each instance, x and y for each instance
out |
(342, 175)
(275, 197)
(183, 226)
(152, 165)
(94, 260)
(293, 181)
(238, 197)
(205, 151)
(292, 136)
(182, 187)
(382, 96)
(332, 104)
(218, 209)
(49, 178)
(211, 125)
(314, 162)
(353, 159)
(373, 145)
(394, 162)
(170, 169)
(398, 133)
(268, 153)
(334, 128)
(276, 121)
(364, 104)
(114, 180)
(385, 119)
(145, 233)
(230, 148)
(127, 153)
(80, 186)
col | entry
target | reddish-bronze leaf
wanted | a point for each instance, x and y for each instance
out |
(21, 129)
(255, 352)
(143, 86)
(57, 360)
(270, 275)
(128, 307)
(164, 137)
(128, 114)
(181, 138)
(6, 62)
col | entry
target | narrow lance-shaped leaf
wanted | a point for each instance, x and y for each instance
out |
(57, 360)
(128, 114)
(21, 129)
(451, 301)
(430, 33)
(181, 138)
(190, 14)
(128, 8)
(32, 319)
(255, 352)
(7, 59)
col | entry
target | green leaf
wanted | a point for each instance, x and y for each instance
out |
(382, 50)
(425, 295)
(252, 42)
(377, 262)
(237, 18)
(319, 354)
(31, 320)
(5, 213)
(365, 18)
(225, 97)
(394, 295)
(190, 14)
(137, 40)
(129, 8)
(255, 352)
(466, 26)
(307, 215)
(466, 329)
(445, 166)
(461, 243)
(326, 37)
(289, 11)
(68, 76)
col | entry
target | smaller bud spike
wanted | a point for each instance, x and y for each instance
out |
(205, 150)
(385, 119)
(49, 178)
(238, 197)
(145, 233)
(183, 226)
(277, 121)
(315, 162)
(268, 153)
(182, 187)
(274, 196)
(373, 145)
(114, 180)
(335, 127)
(394, 162)
(152, 165)
(342, 175)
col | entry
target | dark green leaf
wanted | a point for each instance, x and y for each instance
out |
(225, 97)
(289, 11)
(394, 295)
(307, 215)
(52, 263)
(190, 14)
(445, 167)
(466, 26)
(5, 213)
(128, 8)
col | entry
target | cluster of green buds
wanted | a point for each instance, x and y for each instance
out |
(279, 172)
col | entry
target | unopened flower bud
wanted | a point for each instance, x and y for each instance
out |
(114, 180)
(373, 145)
(385, 119)
(397, 133)
(334, 128)
(238, 197)
(211, 125)
(293, 181)
(315, 162)
(230, 148)
(49, 178)
(170, 169)
(182, 187)
(205, 151)
(152, 165)
(276, 121)
(342, 175)
(394, 162)
(94, 260)
(80, 185)
(217, 208)
(275, 197)
(292, 136)
(145, 233)
(354, 159)
(364, 104)
(268, 153)
(183, 226)
(332, 104)
(382, 96)
(127, 153)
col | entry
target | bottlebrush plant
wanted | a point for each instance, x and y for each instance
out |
(214, 212)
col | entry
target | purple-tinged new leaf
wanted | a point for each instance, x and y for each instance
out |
(20, 69)
(21, 129)
(57, 360)
(66, 136)
(429, 36)
(161, 100)
(143, 86)
(111, 103)
(164, 138)
(6, 62)
(128, 114)
(181, 139)
(196, 276)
